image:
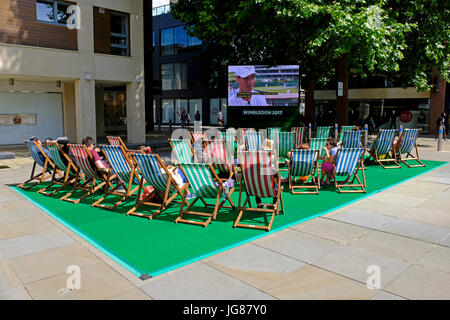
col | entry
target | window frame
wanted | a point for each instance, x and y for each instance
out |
(125, 35)
(55, 11)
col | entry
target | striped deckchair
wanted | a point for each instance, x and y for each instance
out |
(126, 173)
(182, 150)
(230, 138)
(257, 176)
(253, 140)
(116, 141)
(285, 142)
(344, 129)
(352, 139)
(319, 144)
(303, 163)
(154, 173)
(271, 132)
(382, 149)
(197, 136)
(405, 144)
(219, 156)
(47, 166)
(299, 132)
(323, 132)
(241, 134)
(205, 184)
(347, 163)
(94, 179)
(67, 167)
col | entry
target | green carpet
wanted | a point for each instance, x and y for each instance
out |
(156, 246)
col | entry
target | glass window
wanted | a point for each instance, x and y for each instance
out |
(61, 12)
(194, 41)
(180, 39)
(167, 111)
(217, 104)
(194, 105)
(180, 82)
(174, 76)
(44, 11)
(180, 105)
(119, 34)
(167, 76)
(167, 47)
(115, 110)
(154, 112)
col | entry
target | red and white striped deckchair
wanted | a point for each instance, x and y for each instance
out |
(219, 156)
(197, 136)
(258, 177)
(299, 132)
(116, 141)
(94, 179)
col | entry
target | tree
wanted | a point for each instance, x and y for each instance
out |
(385, 36)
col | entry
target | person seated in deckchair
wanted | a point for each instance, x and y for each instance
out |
(327, 164)
(64, 144)
(146, 149)
(39, 142)
(101, 165)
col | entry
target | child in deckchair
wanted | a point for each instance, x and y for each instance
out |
(304, 146)
(327, 164)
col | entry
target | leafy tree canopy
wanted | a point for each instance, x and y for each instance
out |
(402, 38)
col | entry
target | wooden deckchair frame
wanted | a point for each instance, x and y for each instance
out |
(314, 184)
(373, 154)
(416, 158)
(343, 184)
(217, 205)
(190, 147)
(90, 187)
(121, 143)
(167, 198)
(67, 175)
(41, 177)
(127, 185)
(274, 211)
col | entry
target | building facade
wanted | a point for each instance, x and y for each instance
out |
(72, 68)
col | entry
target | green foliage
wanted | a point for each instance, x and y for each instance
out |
(402, 38)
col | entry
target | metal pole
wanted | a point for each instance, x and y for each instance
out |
(441, 132)
(309, 128)
(366, 131)
(336, 130)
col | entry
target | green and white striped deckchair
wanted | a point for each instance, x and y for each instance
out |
(352, 139)
(299, 132)
(285, 142)
(347, 163)
(253, 140)
(344, 129)
(154, 173)
(126, 173)
(382, 148)
(182, 151)
(230, 138)
(319, 144)
(303, 164)
(205, 184)
(69, 170)
(407, 142)
(271, 132)
(258, 178)
(323, 132)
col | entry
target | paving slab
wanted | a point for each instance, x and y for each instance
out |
(403, 200)
(375, 206)
(199, 281)
(438, 217)
(25, 226)
(416, 230)
(135, 294)
(362, 218)
(354, 262)
(422, 283)
(438, 258)
(258, 295)
(14, 294)
(445, 241)
(436, 179)
(383, 295)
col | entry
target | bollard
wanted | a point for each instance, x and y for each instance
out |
(366, 132)
(336, 130)
(309, 128)
(441, 132)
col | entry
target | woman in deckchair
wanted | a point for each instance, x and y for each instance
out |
(327, 164)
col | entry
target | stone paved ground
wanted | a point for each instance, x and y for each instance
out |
(404, 230)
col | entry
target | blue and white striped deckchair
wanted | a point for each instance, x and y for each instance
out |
(347, 163)
(253, 140)
(204, 183)
(67, 167)
(323, 132)
(352, 139)
(126, 173)
(303, 164)
(182, 151)
(344, 129)
(319, 144)
(382, 148)
(47, 166)
(407, 142)
(271, 132)
(154, 173)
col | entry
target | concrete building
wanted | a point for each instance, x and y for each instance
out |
(74, 71)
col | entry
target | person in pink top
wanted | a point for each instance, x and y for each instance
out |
(101, 165)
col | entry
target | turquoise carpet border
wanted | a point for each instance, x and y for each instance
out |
(139, 273)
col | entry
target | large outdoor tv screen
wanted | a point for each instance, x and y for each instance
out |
(261, 86)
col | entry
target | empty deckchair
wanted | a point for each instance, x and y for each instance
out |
(67, 167)
(94, 179)
(128, 178)
(323, 132)
(182, 151)
(344, 129)
(271, 132)
(230, 138)
(241, 134)
(352, 139)
(116, 141)
(197, 136)
(258, 182)
(348, 162)
(285, 142)
(253, 140)
(382, 149)
(205, 184)
(405, 144)
(154, 173)
(46, 164)
(303, 163)
(319, 144)
(299, 132)
(219, 156)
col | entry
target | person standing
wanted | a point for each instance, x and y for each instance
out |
(441, 122)
(220, 118)
(197, 116)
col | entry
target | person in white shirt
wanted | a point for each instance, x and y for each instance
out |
(246, 77)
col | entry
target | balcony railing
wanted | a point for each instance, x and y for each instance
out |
(161, 10)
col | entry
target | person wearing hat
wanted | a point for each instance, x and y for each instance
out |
(246, 77)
